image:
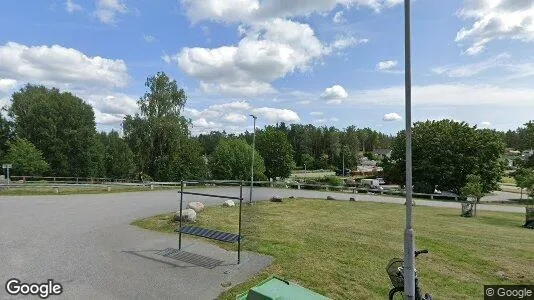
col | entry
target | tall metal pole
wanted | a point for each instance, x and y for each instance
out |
(252, 166)
(409, 257)
(343, 152)
(240, 212)
(180, 228)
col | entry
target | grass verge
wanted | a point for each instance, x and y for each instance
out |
(340, 249)
(71, 190)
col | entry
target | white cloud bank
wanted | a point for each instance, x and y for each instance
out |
(231, 11)
(271, 45)
(453, 94)
(57, 64)
(496, 20)
(233, 116)
(94, 79)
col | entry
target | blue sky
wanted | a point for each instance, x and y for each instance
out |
(325, 62)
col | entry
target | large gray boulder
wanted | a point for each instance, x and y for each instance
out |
(188, 215)
(330, 198)
(228, 203)
(196, 206)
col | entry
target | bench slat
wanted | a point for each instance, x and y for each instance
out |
(210, 234)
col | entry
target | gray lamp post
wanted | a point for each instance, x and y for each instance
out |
(252, 165)
(409, 257)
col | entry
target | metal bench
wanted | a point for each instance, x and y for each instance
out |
(210, 233)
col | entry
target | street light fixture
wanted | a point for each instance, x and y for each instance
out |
(252, 165)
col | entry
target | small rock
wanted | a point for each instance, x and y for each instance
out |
(228, 203)
(501, 274)
(352, 199)
(291, 197)
(330, 198)
(196, 206)
(276, 199)
(188, 215)
(413, 203)
(226, 284)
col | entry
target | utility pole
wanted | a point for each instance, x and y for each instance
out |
(409, 247)
(252, 166)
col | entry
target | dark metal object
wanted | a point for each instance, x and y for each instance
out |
(210, 233)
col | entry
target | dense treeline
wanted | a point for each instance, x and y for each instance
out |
(522, 138)
(315, 147)
(49, 132)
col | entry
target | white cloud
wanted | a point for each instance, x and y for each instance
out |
(107, 119)
(270, 48)
(59, 65)
(326, 120)
(343, 42)
(268, 51)
(225, 116)
(485, 124)
(6, 85)
(274, 115)
(304, 102)
(339, 18)
(106, 10)
(391, 3)
(113, 103)
(453, 94)
(496, 19)
(467, 70)
(71, 7)
(202, 123)
(316, 113)
(235, 118)
(334, 101)
(149, 38)
(334, 94)
(391, 117)
(254, 10)
(386, 64)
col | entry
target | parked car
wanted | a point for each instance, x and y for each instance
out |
(381, 180)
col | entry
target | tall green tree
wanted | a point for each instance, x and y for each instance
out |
(118, 157)
(60, 125)
(444, 153)
(524, 179)
(25, 157)
(276, 151)
(6, 130)
(159, 135)
(232, 159)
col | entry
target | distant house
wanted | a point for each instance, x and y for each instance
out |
(382, 153)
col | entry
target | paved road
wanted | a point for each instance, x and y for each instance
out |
(86, 243)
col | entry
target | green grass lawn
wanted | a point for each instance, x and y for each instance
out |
(340, 249)
(70, 190)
